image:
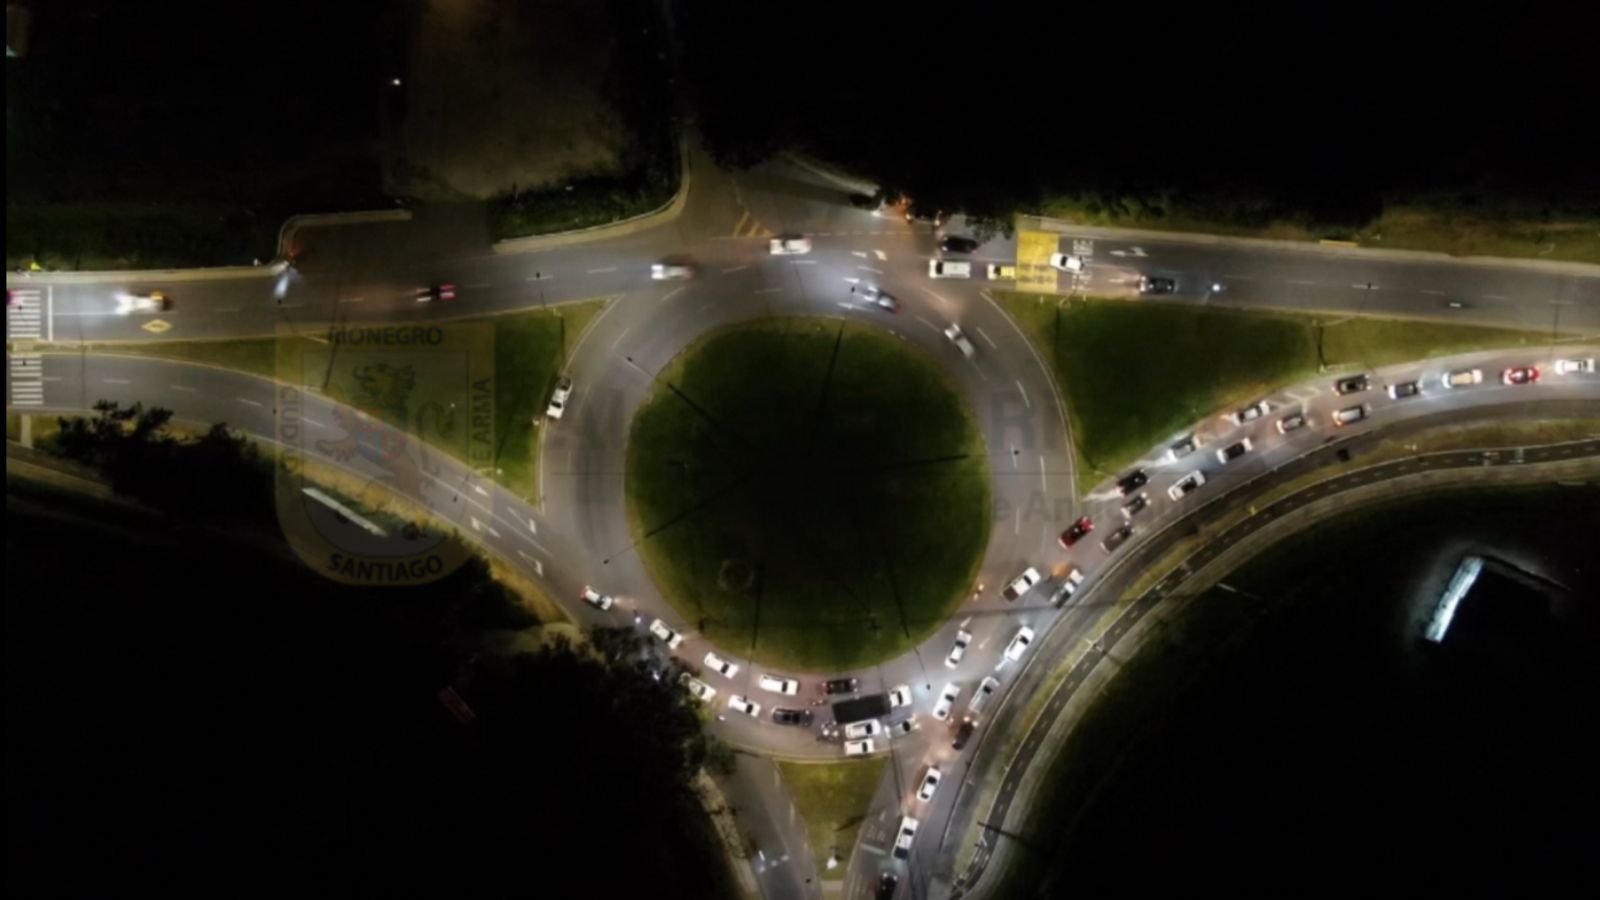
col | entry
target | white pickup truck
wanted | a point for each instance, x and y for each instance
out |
(1023, 584)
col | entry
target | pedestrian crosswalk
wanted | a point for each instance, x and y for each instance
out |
(26, 379)
(25, 323)
(24, 315)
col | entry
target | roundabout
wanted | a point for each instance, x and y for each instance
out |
(797, 515)
(808, 492)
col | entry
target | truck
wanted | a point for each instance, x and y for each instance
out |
(860, 709)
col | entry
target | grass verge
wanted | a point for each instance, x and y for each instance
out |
(808, 491)
(1441, 230)
(832, 798)
(1310, 666)
(1126, 392)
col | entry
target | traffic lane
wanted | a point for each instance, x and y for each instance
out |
(782, 859)
(205, 396)
(1510, 296)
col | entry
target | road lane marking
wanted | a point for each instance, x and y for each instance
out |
(870, 269)
(927, 323)
(803, 262)
(602, 271)
(1495, 297)
(861, 253)
(1431, 293)
(352, 299)
(1300, 281)
(675, 292)
(1024, 391)
(621, 336)
(882, 256)
(249, 401)
(116, 381)
(988, 340)
(186, 389)
(1044, 486)
(732, 269)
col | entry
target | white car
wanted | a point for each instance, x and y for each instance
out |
(789, 245)
(740, 704)
(1575, 366)
(1351, 414)
(947, 701)
(697, 689)
(1461, 378)
(859, 748)
(980, 697)
(1235, 450)
(949, 268)
(596, 599)
(785, 686)
(1249, 413)
(1291, 422)
(153, 302)
(1186, 485)
(930, 783)
(902, 841)
(1019, 645)
(1182, 447)
(660, 630)
(900, 696)
(669, 272)
(1068, 587)
(1067, 262)
(721, 666)
(997, 271)
(1022, 584)
(959, 338)
(868, 728)
(559, 397)
(963, 638)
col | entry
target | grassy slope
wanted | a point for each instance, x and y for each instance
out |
(530, 349)
(859, 552)
(1135, 373)
(832, 798)
(1233, 661)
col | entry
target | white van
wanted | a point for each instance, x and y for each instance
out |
(949, 268)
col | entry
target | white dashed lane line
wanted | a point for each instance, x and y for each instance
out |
(185, 388)
(255, 403)
(602, 271)
(986, 339)
(115, 381)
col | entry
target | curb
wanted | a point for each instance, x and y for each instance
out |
(661, 215)
(293, 224)
(1343, 249)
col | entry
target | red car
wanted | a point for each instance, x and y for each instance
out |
(1520, 375)
(440, 292)
(1074, 534)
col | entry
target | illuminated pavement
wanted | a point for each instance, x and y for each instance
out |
(575, 532)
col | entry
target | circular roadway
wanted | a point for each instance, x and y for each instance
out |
(577, 534)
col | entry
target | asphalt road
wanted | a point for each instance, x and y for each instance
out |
(575, 533)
